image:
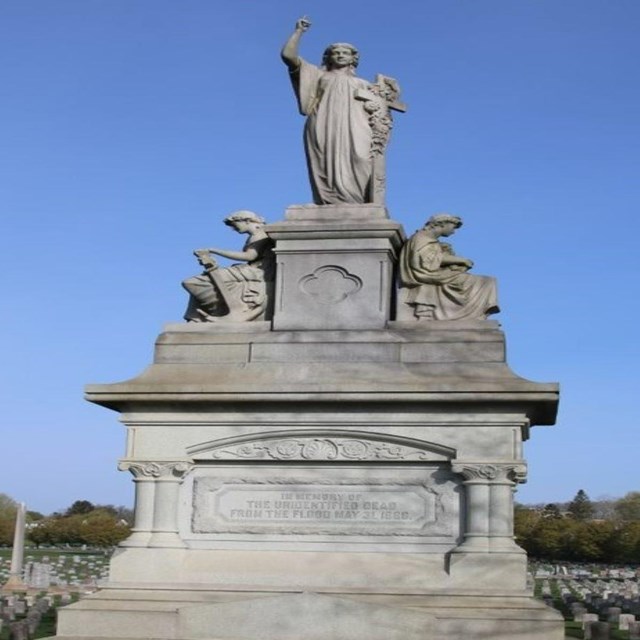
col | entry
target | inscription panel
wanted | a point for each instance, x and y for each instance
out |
(236, 506)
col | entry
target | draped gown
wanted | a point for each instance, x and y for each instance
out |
(453, 293)
(337, 134)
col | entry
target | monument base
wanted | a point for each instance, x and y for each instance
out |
(325, 485)
(14, 584)
(266, 615)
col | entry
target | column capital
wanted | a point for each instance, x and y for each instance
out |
(149, 470)
(491, 472)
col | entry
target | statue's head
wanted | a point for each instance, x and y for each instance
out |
(244, 216)
(340, 54)
(440, 220)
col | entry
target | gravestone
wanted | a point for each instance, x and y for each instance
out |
(597, 631)
(40, 575)
(634, 630)
(613, 614)
(578, 612)
(19, 630)
(320, 452)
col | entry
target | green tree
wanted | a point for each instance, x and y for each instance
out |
(8, 509)
(628, 508)
(581, 507)
(79, 507)
(6, 532)
(588, 541)
(551, 510)
(8, 506)
(101, 529)
(548, 539)
(624, 546)
(525, 522)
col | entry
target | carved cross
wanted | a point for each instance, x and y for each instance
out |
(386, 88)
(380, 99)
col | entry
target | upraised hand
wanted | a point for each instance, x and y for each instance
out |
(303, 24)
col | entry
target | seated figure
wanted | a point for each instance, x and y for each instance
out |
(240, 292)
(434, 281)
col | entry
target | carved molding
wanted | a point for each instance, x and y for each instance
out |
(156, 470)
(330, 284)
(318, 445)
(320, 449)
(491, 472)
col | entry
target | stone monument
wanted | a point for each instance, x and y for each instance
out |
(15, 581)
(320, 452)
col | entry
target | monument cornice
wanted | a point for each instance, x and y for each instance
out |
(539, 406)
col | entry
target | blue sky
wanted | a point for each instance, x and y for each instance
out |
(129, 128)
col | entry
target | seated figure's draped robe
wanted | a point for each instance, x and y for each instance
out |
(337, 134)
(246, 284)
(453, 293)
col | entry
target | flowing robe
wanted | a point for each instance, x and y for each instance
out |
(337, 134)
(451, 292)
(246, 287)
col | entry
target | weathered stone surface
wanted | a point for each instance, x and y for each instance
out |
(333, 470)
(344, 212)
(322, 617)
(634, 630)
(242, 292)
(334, 274)
(348, 122)
(440, 364)
(597, 631)
(435, 283)
(174, 614)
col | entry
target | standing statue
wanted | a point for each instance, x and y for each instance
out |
(238, 293)
(434, 281)
(348, 122)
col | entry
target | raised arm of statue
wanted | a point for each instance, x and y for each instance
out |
(290, 50)
(348, 122)
(241, 292)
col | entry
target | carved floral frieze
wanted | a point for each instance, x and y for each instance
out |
(320, 449)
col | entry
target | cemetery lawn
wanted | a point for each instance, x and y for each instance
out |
(574, 630)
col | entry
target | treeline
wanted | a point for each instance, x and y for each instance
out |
(582, 530)
(83, 523)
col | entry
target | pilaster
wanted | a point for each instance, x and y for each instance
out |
(157, 486)
(489, 505)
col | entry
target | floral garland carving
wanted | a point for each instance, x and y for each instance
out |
(319, 449)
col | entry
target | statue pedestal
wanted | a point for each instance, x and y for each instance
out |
(335, 267)
(324, 484)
